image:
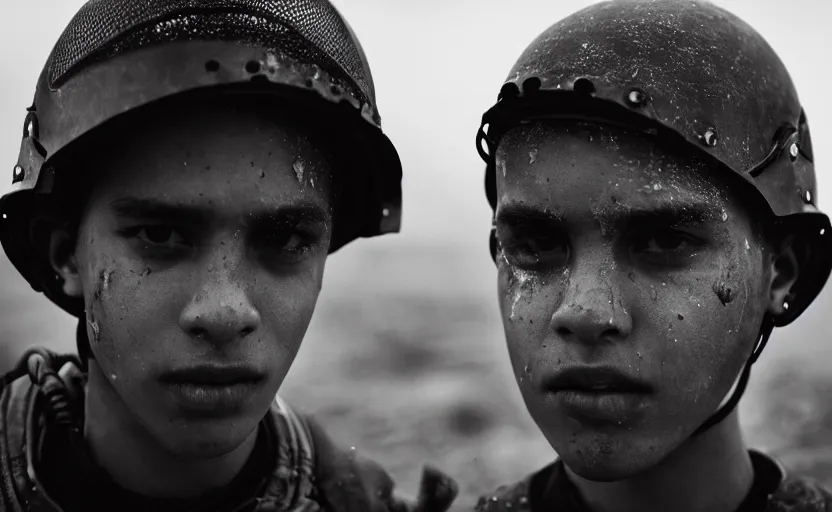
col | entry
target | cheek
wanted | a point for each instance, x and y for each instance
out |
(287, 303)
(527, 302)
(128, 308)
(709, 328)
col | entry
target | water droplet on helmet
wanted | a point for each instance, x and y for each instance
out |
(710, 137)
(636, 97)
(794, 150)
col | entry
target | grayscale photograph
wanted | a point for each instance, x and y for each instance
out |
(415, 256)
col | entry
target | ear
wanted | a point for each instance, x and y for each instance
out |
(64, 261)
(785, 271)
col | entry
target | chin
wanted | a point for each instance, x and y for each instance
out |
(207, 441)
(598, 471)
(604, 459)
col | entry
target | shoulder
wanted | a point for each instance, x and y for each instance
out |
(522, 496)
(512, 497)
(23, 419)
(16, 399)
(337, 479)
(800, 494)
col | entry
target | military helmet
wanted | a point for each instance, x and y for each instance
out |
(116, 56)
(692, 74)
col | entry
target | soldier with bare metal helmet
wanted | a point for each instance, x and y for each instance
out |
(185, 170)
(651, 174)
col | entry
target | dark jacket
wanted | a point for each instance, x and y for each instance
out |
(549, 490)
(311, 474)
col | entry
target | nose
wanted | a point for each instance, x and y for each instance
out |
(221, 311)
(592, 310)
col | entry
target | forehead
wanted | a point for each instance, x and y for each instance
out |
(576, 167)
(235, 155)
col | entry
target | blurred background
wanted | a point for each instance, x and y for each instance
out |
(405, 358)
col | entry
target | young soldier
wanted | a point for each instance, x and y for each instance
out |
(650, 170)
(185, 170)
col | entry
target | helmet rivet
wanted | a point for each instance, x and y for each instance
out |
(710, 138)
(794, 150)
(637, 97)
(18, 171)
(808, 196)
(786, 305)
(822, 232)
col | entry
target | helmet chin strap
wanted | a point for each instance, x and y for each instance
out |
(739, 388)
(83, 343)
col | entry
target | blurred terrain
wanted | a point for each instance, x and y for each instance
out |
(405, 360)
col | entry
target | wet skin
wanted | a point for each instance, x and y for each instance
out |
(203, 243)
(616, 252)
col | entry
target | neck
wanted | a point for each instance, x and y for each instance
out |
(139, 463)
(711, 472)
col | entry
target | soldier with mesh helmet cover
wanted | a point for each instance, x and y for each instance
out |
(651, 174)
(185, 170)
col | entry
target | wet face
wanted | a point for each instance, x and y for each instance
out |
(632, 289)
(200, 257)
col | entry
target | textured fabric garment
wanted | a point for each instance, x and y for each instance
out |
(549, 490)
(295, 468)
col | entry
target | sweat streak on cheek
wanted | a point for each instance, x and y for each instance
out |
(527, 301)
(104, 277)
(112, 310)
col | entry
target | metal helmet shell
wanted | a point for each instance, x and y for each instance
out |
(691, 73)
(116, 56)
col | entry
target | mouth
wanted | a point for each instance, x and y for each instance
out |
(595, 379)
(212, 390)
(598, 396)
(213, 376)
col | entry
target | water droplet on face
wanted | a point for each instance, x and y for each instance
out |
(533, 156)
(523, 282)
(113, 376)
(502, 166)
(298, 167)
(724, 216)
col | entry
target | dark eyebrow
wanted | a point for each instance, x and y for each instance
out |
(521, 213)
(666, 213)
(156, 210)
